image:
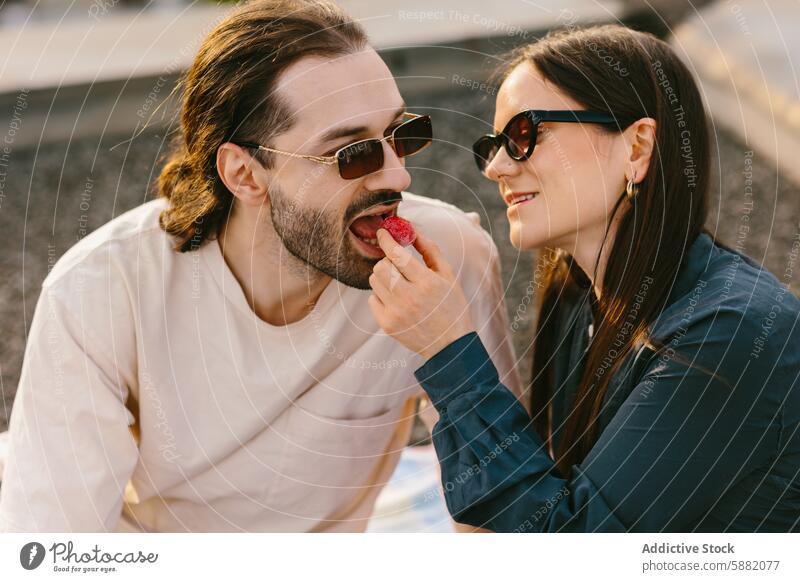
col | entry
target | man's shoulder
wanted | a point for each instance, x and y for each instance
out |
(424, 209)
(445, 223)
(117, 245)
(465, 244)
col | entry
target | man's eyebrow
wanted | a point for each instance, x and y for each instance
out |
(353, 130)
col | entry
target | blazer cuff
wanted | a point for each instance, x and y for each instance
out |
(456, 369)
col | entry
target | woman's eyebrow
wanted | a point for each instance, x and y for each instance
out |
(353, 130)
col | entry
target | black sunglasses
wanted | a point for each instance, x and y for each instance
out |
(366, 156)
(519, 134)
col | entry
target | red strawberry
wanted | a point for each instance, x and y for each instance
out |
(400, 229)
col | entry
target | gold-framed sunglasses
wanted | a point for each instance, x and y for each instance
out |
(366, 156)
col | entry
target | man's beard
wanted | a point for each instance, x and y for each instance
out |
(320, 240)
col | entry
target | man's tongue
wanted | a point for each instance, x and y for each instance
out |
(367, 226)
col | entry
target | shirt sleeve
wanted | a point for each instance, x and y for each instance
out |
(476, 260)
(488, 309)
(71, 452)
(685, 434)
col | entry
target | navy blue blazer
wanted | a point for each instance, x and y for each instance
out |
(679, 448)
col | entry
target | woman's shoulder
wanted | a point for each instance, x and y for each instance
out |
(739, 284)
(728, 300)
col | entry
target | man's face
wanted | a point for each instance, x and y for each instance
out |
(335, 102)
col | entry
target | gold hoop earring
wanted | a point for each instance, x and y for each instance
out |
(631, 190)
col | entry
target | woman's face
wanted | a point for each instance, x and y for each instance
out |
(576, 172)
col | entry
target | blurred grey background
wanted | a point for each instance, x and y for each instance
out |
(85, 94)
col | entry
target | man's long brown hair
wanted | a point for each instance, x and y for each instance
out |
(633, 75)
(229, 93)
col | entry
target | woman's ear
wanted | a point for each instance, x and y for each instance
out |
(242, 174)
(641, 140)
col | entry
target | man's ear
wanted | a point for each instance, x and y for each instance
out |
(640, 139)
(242, 174)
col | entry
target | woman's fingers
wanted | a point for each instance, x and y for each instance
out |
(432, 255)
(401, 257)
(389, 277)
(419, 304)
(409, 267)
(381, 284)
(377, 307)
(390, 296)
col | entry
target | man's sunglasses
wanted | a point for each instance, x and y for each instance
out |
(366, 156)
(519, 134)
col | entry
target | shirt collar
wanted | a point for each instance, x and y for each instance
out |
(695, 261)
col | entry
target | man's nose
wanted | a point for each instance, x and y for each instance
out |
(392, 175)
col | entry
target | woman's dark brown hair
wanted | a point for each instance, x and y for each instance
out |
(633, 75)
(228, 93)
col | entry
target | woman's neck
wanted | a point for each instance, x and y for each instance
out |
(585, 251)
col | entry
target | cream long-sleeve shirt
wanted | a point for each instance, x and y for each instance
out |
(152, 398)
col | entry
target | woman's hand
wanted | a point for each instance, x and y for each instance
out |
(420, 305)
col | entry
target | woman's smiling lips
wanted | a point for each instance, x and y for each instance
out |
(514, 198)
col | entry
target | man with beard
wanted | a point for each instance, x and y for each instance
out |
(208, 361)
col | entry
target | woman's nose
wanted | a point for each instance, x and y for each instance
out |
(501, 166)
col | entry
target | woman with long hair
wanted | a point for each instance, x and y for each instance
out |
(665, 392)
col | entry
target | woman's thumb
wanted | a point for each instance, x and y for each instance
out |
(432, 254)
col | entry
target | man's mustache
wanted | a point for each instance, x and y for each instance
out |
(373, 199)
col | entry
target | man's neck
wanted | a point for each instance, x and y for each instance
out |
(279, 287)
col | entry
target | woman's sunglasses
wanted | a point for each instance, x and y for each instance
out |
(519, 134)
(366, 156)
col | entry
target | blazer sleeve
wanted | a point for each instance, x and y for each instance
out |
(695, 423)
